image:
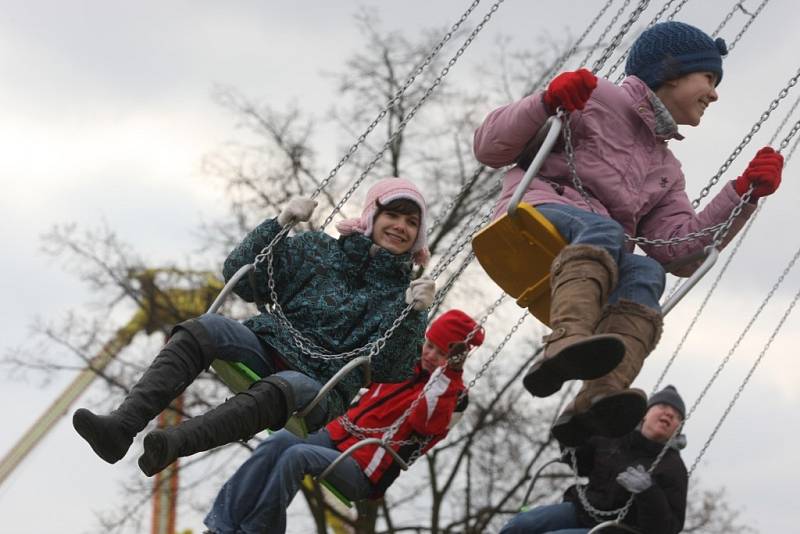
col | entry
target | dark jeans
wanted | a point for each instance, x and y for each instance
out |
(553, 519)
(234, 342)
(641, 278)
(255, 498)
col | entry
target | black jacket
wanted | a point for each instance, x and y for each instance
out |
(661, 509)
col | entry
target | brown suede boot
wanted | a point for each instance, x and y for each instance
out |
(607, 406)
(582, 276)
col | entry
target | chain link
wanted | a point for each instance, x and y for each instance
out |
(499, 348)
(389, 431)
(397, 95)
(792, 132)
(736, 7)
(569, 53)
(411, 113)
(602, 36)
(305, 345)
(650, 24)
(744, 142)
(711, 290)
(747, 25)
(744, 382)
(718, 230)
(618, 38)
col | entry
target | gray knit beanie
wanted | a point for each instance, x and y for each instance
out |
(668, 395)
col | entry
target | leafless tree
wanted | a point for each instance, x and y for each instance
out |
(473, 481)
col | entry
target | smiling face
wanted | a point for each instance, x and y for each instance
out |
(688, 97)
(660, 422)
(395, 231)
(432, 357)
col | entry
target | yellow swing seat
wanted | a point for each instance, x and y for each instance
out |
(516, 252)
(239, 377)
(517, 249)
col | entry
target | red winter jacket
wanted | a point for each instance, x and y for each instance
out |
(382, 404)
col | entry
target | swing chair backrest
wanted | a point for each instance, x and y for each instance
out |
(517, 249)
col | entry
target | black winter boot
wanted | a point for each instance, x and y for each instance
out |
(267, 404)
(173, 369)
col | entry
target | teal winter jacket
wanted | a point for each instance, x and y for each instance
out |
(337, 295)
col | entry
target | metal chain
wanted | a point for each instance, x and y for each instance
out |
(569, 53)
(390, 430)
(745, 331)
(618, 38)
(735, 250)
(650, 24)
(711, 290)
(464, 242)
(413, 111)
(399, 93)
(607, 29)
(744, 382)
(746, 139)
(747, 25)
(569, 150)
(718, 230)
(461, 193)
(499, 348)
(736, 7)
(791, 152)
(785, 141)
(601, 515)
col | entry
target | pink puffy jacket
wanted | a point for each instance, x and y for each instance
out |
(625, 166)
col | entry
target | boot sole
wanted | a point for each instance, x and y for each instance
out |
(153, 458)
(616, 415)
(85, 424)
(611, 417)
(584, 360)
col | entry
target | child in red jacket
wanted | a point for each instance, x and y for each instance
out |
(257, 495)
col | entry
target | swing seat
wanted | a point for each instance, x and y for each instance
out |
(239, 377)
(516, 252)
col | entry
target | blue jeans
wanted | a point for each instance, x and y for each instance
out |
(553, 519)
(256, 496)
(641, 278)
(231, 341)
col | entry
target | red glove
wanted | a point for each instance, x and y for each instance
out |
(763, 171)
(570, 90)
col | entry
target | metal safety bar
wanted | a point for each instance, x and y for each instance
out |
(547, 146)
(363, 443)
(335, 379)
(712, 254)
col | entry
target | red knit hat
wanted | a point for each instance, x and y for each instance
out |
(453, 327)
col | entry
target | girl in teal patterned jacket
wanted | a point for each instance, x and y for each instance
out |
(340, 294)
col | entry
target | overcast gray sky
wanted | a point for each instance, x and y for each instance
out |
(106, 115)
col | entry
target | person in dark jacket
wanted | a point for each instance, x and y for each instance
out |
(617, 468)
(338, 295)
(255, 498)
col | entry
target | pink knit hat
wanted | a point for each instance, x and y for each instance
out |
(385, 191)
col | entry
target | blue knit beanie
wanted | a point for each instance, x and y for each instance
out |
(670, 50)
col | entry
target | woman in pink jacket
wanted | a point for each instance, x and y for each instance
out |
(605, 312)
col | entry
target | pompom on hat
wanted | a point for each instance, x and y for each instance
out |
(385, 191)
(453, 327)
(669, 50)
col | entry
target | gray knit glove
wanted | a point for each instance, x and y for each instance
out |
(635, 479)
(298, 209)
